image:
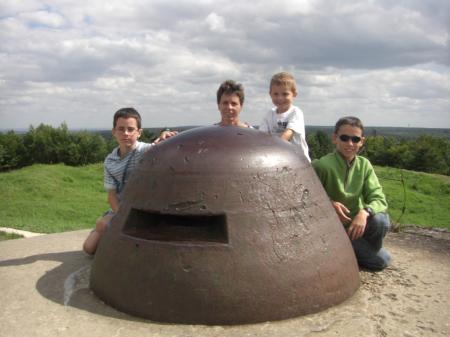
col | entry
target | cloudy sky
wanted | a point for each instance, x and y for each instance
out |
(78, 61)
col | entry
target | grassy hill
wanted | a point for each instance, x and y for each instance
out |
(426, 197)
(52, 198)
(57, 198)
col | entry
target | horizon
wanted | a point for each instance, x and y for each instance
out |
(2, 130)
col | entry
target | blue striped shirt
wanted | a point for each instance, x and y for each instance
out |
(114, 166)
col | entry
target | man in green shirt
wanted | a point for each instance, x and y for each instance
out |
(356, 194)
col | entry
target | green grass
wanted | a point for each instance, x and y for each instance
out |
(427, 197)
(52, 198)
(57, 198)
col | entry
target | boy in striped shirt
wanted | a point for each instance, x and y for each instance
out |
(119, 165)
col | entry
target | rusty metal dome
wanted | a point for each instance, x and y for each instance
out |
(224, 225)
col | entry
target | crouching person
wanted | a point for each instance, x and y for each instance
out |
(356, 194)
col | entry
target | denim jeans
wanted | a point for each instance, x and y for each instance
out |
(368, 249)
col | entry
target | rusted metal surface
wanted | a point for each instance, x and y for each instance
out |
(224, 225)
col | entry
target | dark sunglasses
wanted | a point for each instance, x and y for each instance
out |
(346, 138)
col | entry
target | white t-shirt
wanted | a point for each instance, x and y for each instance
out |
(275, 123)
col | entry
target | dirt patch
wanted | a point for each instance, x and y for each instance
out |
(412, 296)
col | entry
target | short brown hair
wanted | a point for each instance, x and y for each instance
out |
(284, 79)
(230, 87)
(127, 113)
(348, 120)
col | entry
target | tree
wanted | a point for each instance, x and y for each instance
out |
(44, 143)
(430, 154)
(319, 144)
(12, 151)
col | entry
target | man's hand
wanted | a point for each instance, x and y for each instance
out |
(358, 225)
(342, 212)
(165, 135)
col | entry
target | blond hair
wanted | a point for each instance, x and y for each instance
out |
(284, 79)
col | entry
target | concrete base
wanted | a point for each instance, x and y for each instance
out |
(44, 292)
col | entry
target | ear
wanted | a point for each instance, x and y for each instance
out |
(334, 138)
(139, 133)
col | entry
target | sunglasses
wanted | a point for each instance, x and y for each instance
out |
(346, 138)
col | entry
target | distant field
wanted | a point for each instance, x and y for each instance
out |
(57, 198)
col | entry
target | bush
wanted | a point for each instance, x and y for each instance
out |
(48, 145)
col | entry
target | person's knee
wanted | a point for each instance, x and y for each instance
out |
(88, 249)
(382, 220)
(101, 224)
(90, 244)
(379, 225)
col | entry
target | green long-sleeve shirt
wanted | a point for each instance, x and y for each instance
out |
(353, 184)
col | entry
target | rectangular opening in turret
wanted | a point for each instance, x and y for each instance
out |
(150, 225)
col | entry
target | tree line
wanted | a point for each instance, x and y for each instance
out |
(48, 145)
(425, 153)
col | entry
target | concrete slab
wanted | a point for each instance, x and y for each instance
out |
(44, 292)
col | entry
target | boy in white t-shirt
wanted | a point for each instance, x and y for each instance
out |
(285, 119)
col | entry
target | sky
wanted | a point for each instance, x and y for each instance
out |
(77, 62)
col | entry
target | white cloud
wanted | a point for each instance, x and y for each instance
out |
(215, 22)
(42, 19)
(79, 61)
(113, 82)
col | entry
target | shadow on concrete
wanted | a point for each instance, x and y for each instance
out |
(68, 283)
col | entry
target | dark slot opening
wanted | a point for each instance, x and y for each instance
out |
(170, 227)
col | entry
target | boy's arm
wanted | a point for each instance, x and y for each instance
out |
(373, 195)
(287, 134)
(113, 200)
(296, 123)
(323, 174)
(358, 225)
(341, 211)
(374, 198)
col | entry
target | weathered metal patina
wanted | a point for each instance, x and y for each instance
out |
(224, 225)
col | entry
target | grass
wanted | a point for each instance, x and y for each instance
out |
(58, 198)
(52, 198)
(426, 197)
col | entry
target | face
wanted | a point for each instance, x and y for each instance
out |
(230, 107)
(348, 148)
(126, 132)
(282, 97)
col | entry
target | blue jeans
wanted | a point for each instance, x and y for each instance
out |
(369, 249)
